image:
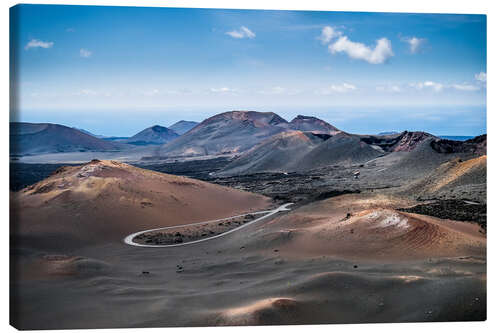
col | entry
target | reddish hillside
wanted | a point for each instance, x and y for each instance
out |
(104, 201)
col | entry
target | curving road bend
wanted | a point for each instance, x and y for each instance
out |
(130, 238)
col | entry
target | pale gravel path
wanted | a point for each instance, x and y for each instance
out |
(130, 238)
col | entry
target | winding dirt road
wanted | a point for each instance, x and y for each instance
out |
(130, 238)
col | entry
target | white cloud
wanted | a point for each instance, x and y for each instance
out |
(465, 87)
(84, 53)
(378, 55)
(35, 43)
(428, 84)
(222, 90)
(328, 33)
(87, 92)
(273, 91)
(338, 88)
(153, 92)
(389, 88)
(434, 85)
(242, 32)
(415, 43)
(480, 76)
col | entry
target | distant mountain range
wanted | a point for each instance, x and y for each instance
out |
(238, 131)
(153, 135)
(257, 141)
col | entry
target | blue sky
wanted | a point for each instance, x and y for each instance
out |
(117, 70)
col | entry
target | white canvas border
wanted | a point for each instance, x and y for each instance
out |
(424, 6)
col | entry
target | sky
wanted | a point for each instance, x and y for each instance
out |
(118, 70)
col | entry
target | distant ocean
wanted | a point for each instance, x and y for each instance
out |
(456, 138)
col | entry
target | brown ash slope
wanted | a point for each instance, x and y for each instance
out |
(104, 201)
(374, 265)
(347, 259)
(366, 226)
(35, 138)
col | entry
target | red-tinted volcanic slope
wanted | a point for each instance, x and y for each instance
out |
(368, 228)
(104, 201)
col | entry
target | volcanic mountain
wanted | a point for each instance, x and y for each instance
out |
(476, 146)
(280, 153)
(154, 135)
(404, 141)
(299, 151)
(410, 159)
(341, 148)
(34, 138)
(307, 123)
(226, 133)
(183, 126)
(104, 201)
(406, 154)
